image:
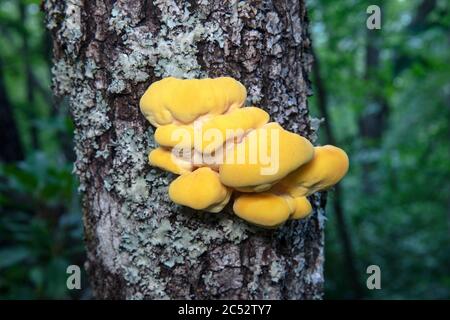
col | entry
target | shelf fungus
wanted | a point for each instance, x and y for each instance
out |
(220, 147)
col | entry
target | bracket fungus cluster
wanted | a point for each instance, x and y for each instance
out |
(218, 148)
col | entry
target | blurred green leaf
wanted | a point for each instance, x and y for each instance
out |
(13, 255)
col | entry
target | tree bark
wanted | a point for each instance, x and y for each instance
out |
(140, 244)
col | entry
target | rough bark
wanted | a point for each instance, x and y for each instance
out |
(140, 244)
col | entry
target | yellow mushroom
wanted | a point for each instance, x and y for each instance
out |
(178, 101)
(263, 209)
(222, 147)
(263, 157)
(269, 209)
(166, 160)
(200, 190)
(328, 167)
(302, 208)
(171, 135)
(209, 135)
(287, 199)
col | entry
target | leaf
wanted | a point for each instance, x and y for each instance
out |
(12, 256)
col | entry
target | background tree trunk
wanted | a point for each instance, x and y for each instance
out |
(9, 134)
(140, 244)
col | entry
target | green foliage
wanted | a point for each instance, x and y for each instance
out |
(40, 215)
(40, 229)
(396, 195)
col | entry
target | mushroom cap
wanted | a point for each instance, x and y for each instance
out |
(263, 157)
(180, 101)
(328, 167)
(165, 159)
(200, 190)
(302, 208)
(217, 207)
(172, 135)
(263, 209)
(208, 135)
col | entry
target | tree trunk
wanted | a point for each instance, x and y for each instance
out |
(337, 201)
(9, 133)
(140, 244)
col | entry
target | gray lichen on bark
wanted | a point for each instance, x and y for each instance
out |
(140, 244)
